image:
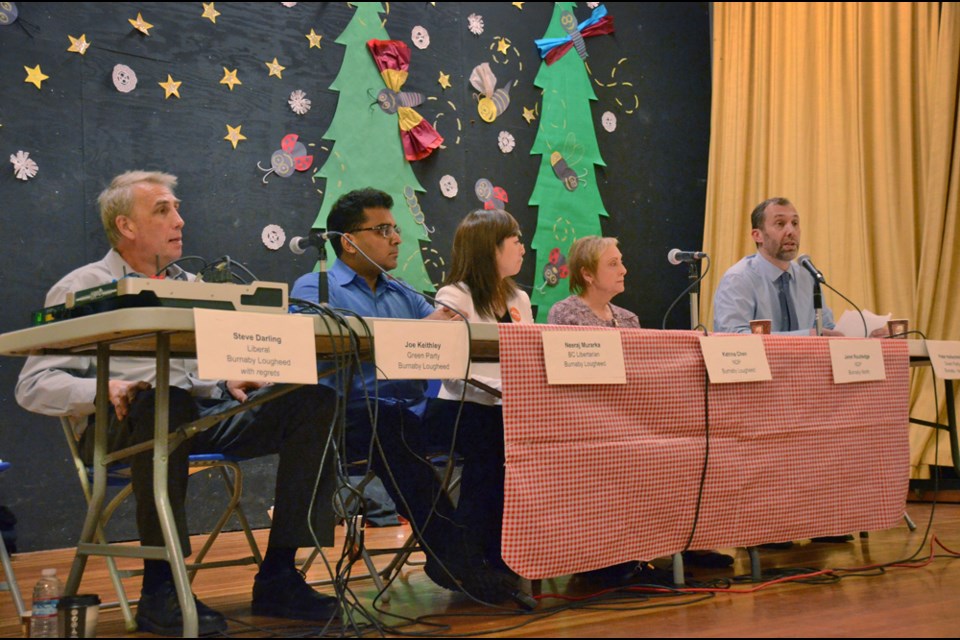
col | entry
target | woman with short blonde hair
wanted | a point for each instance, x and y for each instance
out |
(596, 276)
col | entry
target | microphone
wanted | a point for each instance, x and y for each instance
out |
(299, 244)
(807, 264)
(678, 257)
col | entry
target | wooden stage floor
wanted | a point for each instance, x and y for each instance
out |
(916, 598)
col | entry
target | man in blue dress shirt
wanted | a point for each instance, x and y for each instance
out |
(768, 284)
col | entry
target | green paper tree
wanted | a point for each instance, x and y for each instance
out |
(567, 144)
(367, 150)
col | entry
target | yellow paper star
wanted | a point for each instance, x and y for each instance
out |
(234, 135)
(503, 45)
(209, 12)
(140, 24)
(78, 45)
(230, 78)
(275, 68)
(171, 87)
(314, 39)
(528, 115)
(444, 80)
(518, 5)
(35, 75)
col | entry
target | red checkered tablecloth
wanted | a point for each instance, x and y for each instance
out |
(601, 474)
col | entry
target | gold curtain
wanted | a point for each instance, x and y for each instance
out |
(850, 111)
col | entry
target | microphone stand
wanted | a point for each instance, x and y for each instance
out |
(321, 245)
(693, 274)
(818, 305)
(322, 295)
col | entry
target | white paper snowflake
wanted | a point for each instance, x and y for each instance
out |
(124, 78)
(299, 102)
(475, 24)
(448, 186)
(273, 236)
(420, 37)
(609, 121)
(23, 166)
(506, 141)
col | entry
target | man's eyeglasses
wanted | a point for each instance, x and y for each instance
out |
(385, 230)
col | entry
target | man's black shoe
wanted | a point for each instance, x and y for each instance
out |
(846, 538)
(287, 595)
(613, 576)
(777, 545)
(628, 574)
(477, 577)
(440, 575)
(707, 559)
(159, 613)
(493, 586)
(651, 575)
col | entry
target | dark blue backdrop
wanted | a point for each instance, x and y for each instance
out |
(81, 131)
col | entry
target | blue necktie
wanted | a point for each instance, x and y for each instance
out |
(788, 314)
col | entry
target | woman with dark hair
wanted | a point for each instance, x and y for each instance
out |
(487, 253)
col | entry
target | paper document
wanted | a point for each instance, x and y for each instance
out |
(851, 325)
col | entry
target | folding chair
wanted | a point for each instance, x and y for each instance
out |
(119, 477)
(11, 579)
(382, 577)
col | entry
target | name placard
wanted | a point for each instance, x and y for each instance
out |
(945, 358)
(420, 349)
(237, 345)
(735, 358)
(857, 361)
(584, 357)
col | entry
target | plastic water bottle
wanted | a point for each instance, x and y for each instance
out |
(46, 595)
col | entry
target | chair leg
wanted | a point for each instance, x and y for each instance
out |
(234, 487)
(310, 559)
(381, 577)
(11, 582)
(400, 559)
(115, 575)
(756, 570)
(375, 575)
(678, 578)
(129, 622)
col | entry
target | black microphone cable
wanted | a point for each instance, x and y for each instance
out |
(162, 270)
(663, 325)
(866, 334)
(332, 453)
(227, 263)
(706, 450)
(224, 265)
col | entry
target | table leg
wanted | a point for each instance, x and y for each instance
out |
(161, 451)
(99, 489)
(952, 424)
